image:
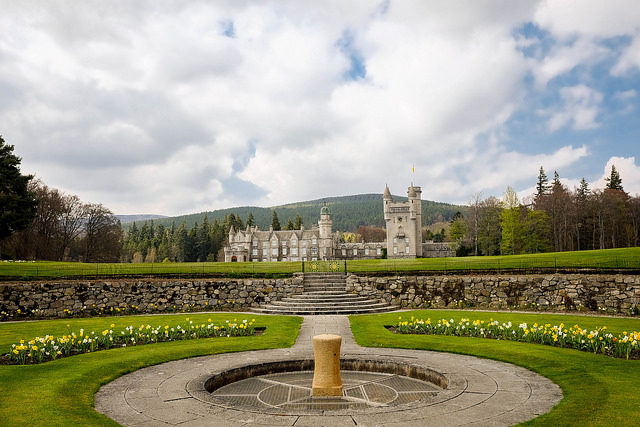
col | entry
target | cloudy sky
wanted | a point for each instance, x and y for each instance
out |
(173, 107)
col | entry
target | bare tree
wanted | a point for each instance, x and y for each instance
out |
(102, 234)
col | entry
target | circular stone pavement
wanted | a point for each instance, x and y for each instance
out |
(471, 391)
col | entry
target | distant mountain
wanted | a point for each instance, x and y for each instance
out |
(124, 219)
(347, 212)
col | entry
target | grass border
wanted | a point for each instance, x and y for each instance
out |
(598, 390)
(61, 392)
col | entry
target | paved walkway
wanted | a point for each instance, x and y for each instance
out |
(480, 392)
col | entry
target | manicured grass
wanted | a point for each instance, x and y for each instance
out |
(51, 269)
(624, 258)
(61, 392)
(598, 390)
(599, 259)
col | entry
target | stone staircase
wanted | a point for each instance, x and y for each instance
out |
(325, 293)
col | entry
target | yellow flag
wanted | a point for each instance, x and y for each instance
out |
(413, 168)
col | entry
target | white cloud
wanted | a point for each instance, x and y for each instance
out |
(580, 109)
(591, 18)
(629, 59)
(629, 173)
(564, 58)
(151, 107)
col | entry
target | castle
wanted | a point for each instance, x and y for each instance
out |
(404, 238)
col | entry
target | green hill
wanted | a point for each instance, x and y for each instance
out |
(347, 212)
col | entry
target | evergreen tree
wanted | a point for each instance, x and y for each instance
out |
(583, 191)
(17, 203)
(289, 225)
(297, 225)
(537, 232)
(556, 180)
(543, 183)
(250, 221)
(614, 182)
(275, 222)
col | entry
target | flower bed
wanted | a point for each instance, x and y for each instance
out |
(597, 341)
(42, 349)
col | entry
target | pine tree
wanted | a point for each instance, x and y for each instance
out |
(275, 222)
(542, 187)
(17, 203)
(583, 190)
(250, 221)
(289, 225)
(297, 225)
(556, 181)
(614, 182)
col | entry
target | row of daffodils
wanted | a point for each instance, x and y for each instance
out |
(42, 349)
(596, 341)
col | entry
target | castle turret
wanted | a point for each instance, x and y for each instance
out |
(325, 224)
(415, 206)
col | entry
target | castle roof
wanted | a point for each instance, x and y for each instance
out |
(387, 193)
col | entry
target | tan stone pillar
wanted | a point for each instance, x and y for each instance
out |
(326, 373)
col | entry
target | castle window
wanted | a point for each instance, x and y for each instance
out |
(314, 251)
(254, 252)
(274, 252)
(304, 251)
(265, 244)
(314, 241)
(406, 240)
(355, 252)
(274, 242)
(324, 251)
(395, 240)
(284, 243)
(293, 241)
(379, 251)
(395, 250)
(406, 250)
(294, 251)
(284, 251)
(344, 252)
(255, 243)
(399, 219)
(366, 251)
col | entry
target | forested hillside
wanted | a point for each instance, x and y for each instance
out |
(347, 212)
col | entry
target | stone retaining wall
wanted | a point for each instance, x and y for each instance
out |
(610, 293)
(87, 297)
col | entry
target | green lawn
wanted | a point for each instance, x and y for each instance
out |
(598, 390)
(61, 392)
(624, 258)
(607, 258)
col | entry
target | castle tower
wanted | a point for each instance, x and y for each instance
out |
(404, 224)
(415, 207)
(325, 224)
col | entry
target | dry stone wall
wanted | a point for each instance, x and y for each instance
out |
(65, 298)
(610, 293)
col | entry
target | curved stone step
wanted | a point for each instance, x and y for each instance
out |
(361, 310)
(369, 303)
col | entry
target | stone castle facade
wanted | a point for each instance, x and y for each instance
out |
(404, 238)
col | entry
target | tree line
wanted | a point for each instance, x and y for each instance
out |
(38, 222)
(556, 219)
